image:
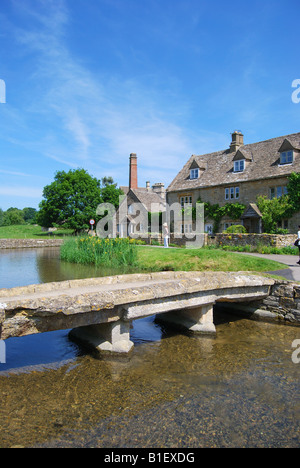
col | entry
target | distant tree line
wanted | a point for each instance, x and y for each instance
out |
(14, 216)
(70, 201)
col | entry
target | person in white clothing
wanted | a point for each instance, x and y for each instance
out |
(166, 235)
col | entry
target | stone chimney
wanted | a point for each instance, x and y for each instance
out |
(237, 141)
(148, 186)
(133, 182)
(159, 188)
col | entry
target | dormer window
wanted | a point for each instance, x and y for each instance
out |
(196, 168)
(287, 152)
(239, 166)
(241, 160)
(194, 174)
(286, 157)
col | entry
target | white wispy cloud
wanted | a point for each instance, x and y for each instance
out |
(95, 119)
(14, 173)
(21, 191)
(95, 122)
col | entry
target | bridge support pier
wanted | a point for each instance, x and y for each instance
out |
(105, 337)
(196, 320)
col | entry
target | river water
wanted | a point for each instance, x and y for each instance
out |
(238, 389)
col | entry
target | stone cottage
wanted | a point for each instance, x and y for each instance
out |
(130, 222)
(239, 173)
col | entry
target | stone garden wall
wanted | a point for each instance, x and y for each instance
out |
(281, 306)
(29, 243)
(221, 239)
(253, 240)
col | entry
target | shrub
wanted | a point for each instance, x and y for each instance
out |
(93, 250)
(236, 229)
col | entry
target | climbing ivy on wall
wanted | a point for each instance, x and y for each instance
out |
(216, 212)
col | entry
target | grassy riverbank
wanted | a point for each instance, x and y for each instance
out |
(158, 259)
(28, 231)
(122, 252)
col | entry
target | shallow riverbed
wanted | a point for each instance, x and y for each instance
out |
(239, 389)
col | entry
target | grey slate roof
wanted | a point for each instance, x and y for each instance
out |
(262, 161)
(148, 198)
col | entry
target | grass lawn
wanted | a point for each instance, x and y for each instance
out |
(30, 232)
(158, 259)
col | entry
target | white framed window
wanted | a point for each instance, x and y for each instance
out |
(130, 209)
(186, 228)
(232, 193)
(194, 173)
(277, 192)
(208, 228)
(186, 201)
(239, 166)
(286, 157)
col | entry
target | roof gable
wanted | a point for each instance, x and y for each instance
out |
(252, 211)
(241, 154)
(194, 165)
(286, 146)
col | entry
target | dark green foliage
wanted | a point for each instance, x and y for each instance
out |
(72, 199)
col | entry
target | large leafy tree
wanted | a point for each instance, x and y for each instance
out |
(70, 201)
(293, 189)
(273, 211)
(109, 191)
(286, 206)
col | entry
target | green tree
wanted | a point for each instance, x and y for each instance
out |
(273, 211)
(29, 215)
(13, 216)
(1, 216)
(110, 193)
(70, 201)
(105, 181)
(293, 189)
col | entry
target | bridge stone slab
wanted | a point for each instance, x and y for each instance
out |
(113, 301)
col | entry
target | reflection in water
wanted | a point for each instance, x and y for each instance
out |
(238, 389)
(20, 267)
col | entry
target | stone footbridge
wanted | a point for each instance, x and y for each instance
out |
(100, 310)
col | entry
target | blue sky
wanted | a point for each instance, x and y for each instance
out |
(90, 81)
